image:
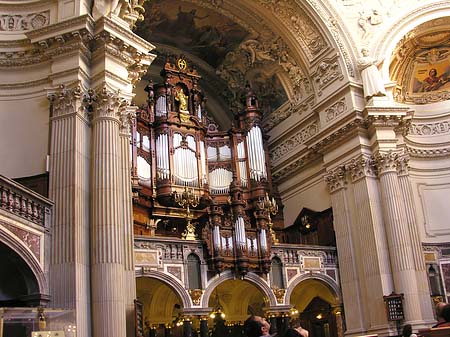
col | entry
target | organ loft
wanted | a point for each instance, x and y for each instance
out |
(196, 182)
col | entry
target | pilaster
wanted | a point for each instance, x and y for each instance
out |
(370, 233)
(69, 189)
(126, 118)
(351, 287)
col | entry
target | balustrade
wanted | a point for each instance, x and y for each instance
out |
(20, 201)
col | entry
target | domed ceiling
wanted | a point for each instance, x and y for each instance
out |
(227, 51)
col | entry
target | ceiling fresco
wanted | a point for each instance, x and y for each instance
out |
(227, 55)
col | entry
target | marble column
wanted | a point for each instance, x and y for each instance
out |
(107, 229)
(370, 234)
(399, 239)
(351, 291)
(416, 245)
(69, 189)
(128, 235)
(187, 328)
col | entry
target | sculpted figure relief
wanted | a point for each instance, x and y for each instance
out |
(372, 82)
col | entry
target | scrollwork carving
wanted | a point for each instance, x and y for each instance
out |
(335, 110)
(336, 179)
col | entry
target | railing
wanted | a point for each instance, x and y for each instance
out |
(293, 252)
(290, 254)
(25, 203)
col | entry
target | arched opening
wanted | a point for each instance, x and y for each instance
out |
(319, 310)
(161, 307)
(18, 285)
(232, 302)
(194, 273)
(276, 273)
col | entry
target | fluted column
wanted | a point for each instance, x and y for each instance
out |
(69, 189)
(351, 291)
(399, 240)
(107, 234)
(416, 245)
(369, 230)
(129, 274)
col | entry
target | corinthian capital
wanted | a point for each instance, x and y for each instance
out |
(127, 115)
(387, 162)
(361, 167)
(403, 165)
(105, 103)
(336, 179)
(65, 101)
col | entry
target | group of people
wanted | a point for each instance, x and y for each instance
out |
(442, 317)
(257, 326)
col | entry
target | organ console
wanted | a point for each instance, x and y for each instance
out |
(179, 154)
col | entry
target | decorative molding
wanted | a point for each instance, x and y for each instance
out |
(293, 142)
(403, 165)
(428, 153)
(287, 110)
(332, 22)
(299, 23)
(23, 22)
(335, 110)
(429, 129)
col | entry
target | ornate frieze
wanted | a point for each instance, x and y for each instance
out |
(428, 153)
(361, 167)
(335, 110)
(428, 129)
(295, 141)
(299, 23)
(336, 179)
(287, 110)
(23, 22)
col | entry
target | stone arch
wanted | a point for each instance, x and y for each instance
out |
(27, 256)
(327, 281)
(386, 43)
(254, 279)
(171, 282)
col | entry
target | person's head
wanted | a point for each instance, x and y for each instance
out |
(446, 312)
(256, 326)
(432, 72)
(365, 52)
(295, 324)
(407, 330)
(439, 307)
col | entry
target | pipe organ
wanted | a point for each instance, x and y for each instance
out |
(190, 176)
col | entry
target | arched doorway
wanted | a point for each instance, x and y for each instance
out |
(232, 301)
(319, 309)
(162, 307)
(18, 285)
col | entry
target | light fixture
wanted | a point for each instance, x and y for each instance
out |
(294, 312)
(217, 312)
(319, 316)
